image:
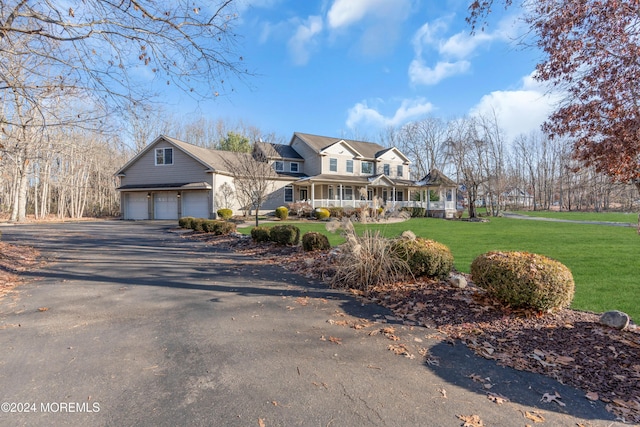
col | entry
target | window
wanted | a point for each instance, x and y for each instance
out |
(164, 156)
(303, 194)
(347, 193)
(349, 166)
(367, 168)
(288, 194)
(399, 171)
(279, 166)
(387, 169)
(449, 195)
(331, 192)
(294, 167)
(333, 165)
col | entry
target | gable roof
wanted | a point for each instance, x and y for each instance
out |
(368, 150)
(215, 160)
(435, 178)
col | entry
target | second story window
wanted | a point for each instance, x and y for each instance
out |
(386, 168)
(294, 167)
(333, 165)
(399, 171)
(164, 156)
(349, 166)
(279, 166)
(367, 168)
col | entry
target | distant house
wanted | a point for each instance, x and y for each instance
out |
(171, 178)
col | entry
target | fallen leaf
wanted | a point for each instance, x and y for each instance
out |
(261, 422)
(335, 340)
(549, 398)
(476, 378)
(43, 308)
(443, 392)
(592, 395)
(471, 421)
(497, 398)
(534, 416)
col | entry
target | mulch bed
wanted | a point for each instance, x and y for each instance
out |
(14, 259)
(570, 346)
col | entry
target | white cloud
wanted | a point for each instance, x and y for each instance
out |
(303, 40)
(420, 73)
(453, 52)
(519, 111)
(343, 13)
(363, 114)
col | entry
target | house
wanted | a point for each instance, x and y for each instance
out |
(171, 178)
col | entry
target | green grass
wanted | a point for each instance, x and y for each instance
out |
(631, 218)
(604, 260)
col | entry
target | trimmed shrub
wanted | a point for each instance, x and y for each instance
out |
(285, 234)
(313, 241)
(197, 224)
(336, 212)
(524, 280)
(282, 212)
(185, 221)
(224, 213)
(321, 213)
(424, 257)
(261, 234)
(415, 212)
(218, 227)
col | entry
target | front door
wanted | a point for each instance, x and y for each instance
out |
(303, 194)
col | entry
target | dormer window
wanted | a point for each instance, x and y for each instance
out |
(279, 166)
(164, 156)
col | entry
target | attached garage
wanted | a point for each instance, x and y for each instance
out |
(136, 206)
(195, 204)
(165, 205)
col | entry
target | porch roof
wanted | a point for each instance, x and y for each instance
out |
(372, 180)
(173, 186)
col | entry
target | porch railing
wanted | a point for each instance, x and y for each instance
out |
(434, 206)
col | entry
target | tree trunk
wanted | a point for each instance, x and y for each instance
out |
(637, 184)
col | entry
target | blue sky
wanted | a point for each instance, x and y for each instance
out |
(354, 67)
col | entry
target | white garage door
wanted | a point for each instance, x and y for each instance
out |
(165, 205)
(195, 204)
(136, 206)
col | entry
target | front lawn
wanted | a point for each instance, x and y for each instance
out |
(604, 259)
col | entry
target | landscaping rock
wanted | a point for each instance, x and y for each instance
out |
(458, 281)
(615, 319)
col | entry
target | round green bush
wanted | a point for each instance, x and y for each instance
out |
(224, 213)
(282, 212)
(313, 241)
(218, 227)
(321, 213)
(425, 257)
(197, 224)
(285, 234)
(185, 221)
(524, 280)
(261, 234)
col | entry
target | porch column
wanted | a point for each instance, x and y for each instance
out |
(340, 195)
(313, 194)
(394, 196)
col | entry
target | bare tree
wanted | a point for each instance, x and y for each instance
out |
(252, 177)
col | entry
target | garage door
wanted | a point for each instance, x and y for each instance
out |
(195, 204)
(136, 206)
(165, 205)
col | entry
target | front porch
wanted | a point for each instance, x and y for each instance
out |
(437, 202)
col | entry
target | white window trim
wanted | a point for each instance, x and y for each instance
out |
(275, 166)
(347, 166)
(399, 170)
(164, 162)
(336, 160)
(362, 168)
(291, 167)
(288, 187)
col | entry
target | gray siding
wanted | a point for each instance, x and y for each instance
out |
(184, 169)
(312, 161)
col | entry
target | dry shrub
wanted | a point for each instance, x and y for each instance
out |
(313, 241)
(424, 257)
(366, 261)
(524, 280)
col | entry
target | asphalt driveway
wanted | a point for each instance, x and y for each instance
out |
(130, 324)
